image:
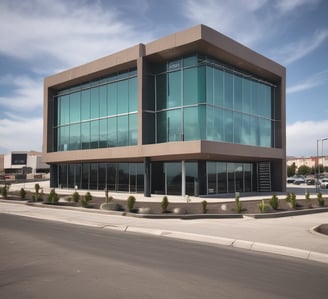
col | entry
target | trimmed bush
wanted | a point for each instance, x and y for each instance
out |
(274, 202)
(164, 204)
(204, 206)
(4, 191)
(37, 195)
(131, 202)
(85, 200)
(308, 199)
(238, 204)
(321, 201)
(22, 193)
(107, 198)
(53, 197)
(263, 207)
(291, 199)
(76, 196)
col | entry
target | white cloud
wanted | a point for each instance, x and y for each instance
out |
(237, 19)
(302, 138)
(286, 6)
(20, 134)
(28, 93)
(251, 22)
(70, 32)
(296, 50)
(311, 82)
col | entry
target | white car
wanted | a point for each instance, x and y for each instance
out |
(324, 183)
(299, 181)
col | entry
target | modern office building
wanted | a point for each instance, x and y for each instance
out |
(20, 163)
(193, 113)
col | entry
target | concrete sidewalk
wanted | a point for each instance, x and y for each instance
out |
(291, 236)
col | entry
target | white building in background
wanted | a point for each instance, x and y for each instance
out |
(309, 161)
(24, 163)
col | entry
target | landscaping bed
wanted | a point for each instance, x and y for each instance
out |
(247, 206)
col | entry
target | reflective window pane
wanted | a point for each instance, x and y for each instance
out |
(74, 107)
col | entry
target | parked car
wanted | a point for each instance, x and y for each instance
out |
(299, 181)
(291, 180)
(310, 181)
(324, 183)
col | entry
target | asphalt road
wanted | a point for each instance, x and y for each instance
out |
(44, 259)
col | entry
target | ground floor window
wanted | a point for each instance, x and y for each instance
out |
(225, 177)
(192, 178)
(125, 177)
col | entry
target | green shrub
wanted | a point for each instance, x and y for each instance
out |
(37, 188)
(321, 201)
(263, 206)
(131, 202)
(308, 199)
(238, 204)
(204, 206)
(85, 200)
(22, 193)
(307, 196)
(274, 202)
(53, 197)
(164, 204)
(291, 199)
(4, 191)
(76, 196)
(37, 195)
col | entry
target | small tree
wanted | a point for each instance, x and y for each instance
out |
(53, 197)
(204, 206)
(263, 206)
(22, 193)
(304, 170)
(238, 204)
(308, 199)
(131, 202)
(4, 191)
(291, 199)
(321, 201)
(291, 170)
(274, 202)
(164, 204)
(85, 200)
(76, 196)
(36, 196)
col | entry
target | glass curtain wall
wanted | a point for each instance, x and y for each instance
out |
(197, 98)
(125, 177)
(228, 177)
(99, 114)
(221, 177)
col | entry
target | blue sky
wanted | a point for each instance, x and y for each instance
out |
(42, 37)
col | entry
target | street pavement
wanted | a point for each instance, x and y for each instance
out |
(291, 236)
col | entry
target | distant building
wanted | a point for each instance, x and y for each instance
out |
(193, 113)
(1, 163)
(308, 161)
(24, 163)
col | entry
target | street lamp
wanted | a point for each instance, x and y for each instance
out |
(322, 140)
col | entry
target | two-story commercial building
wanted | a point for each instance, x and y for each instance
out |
(193, 113)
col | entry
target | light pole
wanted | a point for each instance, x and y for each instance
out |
(318, 178)
(322, 140)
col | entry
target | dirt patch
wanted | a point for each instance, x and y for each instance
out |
(248, 207)
(322, 229)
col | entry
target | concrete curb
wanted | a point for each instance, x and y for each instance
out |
(241, 244)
